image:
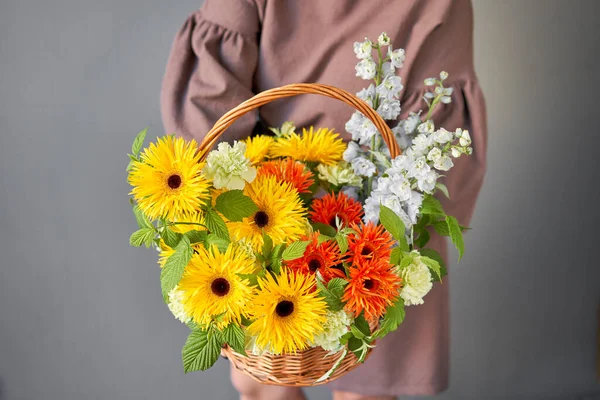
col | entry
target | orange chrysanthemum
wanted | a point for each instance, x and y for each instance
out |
(369, 242)
(325, 209)
(318, 257)
(372, 288)
(290, 171)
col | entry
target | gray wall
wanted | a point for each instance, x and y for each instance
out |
(81, 314)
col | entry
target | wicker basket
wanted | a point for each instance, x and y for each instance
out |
(308, 367)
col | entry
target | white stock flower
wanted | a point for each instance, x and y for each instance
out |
(228, 168)
(176, 305)
(363, 167)
(416, 279)
(442, 136)
(455, 152)
(384, 39)
(443, 75)
(397, 57)
(413, 205)
(429, 81)
(388, 69)
(446, 99)
(465, 139)
(434, 154)
(390, 87)
(426, 183)
(361, 128)
(363, 49)
(411, 123)
(352, 151)
(367, 94)
(350, 191)
(443, 163)
(340, 174)
(389, 109)
(336, 326)
(421, 145)
(400, 186)
(366, 69)
(426, 127)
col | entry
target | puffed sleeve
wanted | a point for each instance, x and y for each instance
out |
(211, 68)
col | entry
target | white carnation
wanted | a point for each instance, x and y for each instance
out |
(228, 168)
(340, 174)
(363, 167)
(416, 279)
(176, 305)
(366, 69)
(335, 327)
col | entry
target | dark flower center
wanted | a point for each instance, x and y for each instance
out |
(314, 264)
(261, 219)
(367, 250)
(341, 217)
(368, 284)
(174, 181)
(220, 287)
(284, 308)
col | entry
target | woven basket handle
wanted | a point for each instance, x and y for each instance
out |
(292, 90)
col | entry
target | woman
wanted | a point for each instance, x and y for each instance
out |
(231, 49)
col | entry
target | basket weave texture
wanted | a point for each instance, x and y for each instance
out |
(307, 367)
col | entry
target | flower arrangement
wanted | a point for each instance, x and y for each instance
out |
(280, 243)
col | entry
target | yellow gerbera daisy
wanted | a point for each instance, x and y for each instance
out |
(288, 312)
(193, 221)
(167, 181)
(257, 148)
(212, 287)
(323, 146)
(280, 214)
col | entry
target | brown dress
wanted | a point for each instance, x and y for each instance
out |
(231, 49)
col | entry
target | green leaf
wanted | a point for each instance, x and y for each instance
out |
(171, 273)
(394, 225)
(333, 292)
(434, 266)
(275, 257)
(196, 236)
(356, 332)
(267, 245)
(138, 142)
(170, 237)
(336, 286)
(324, 229)
(252, 278)
(143, 236)
(394, 315)
(423, 239)
(201, 350)
(441, 227)
(362, 324)
(215, 240)
(235, 206)
(216, 225)
(396, 256)
(234, 336)
(342, 242)
(355, 345)
(442, 189)
(295, 250)
(431, 205)
(141, 219)
(456, 235)
(323, 238)
(434, 255)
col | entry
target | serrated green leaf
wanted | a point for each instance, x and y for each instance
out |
(235, 205)
(201, 350)
(355, 345)
(431, 206)
(433, 265)
(441, 227)
(322, 238)
(252, 278)
(234, 336)
(196, 236)
(170, 237)
(143, 236)
(267, 245)
(356, 332)
(295, 250)
(434, 255)
(342, 242)
(141, 219)
(216, 225)
(171, 273)
(344, 339)
(138, 142)
(394, 315)
(336, 287)
(423, 238)
(442, 188)
(456, 235)
(214, 240)
(394, 225)
(362, 324)
(333, 292)
(324, 229)
(396, 256)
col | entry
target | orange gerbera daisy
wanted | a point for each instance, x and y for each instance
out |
(290, 171)
(373, 286)
(325, 209)
(369, 242)
(318, 257)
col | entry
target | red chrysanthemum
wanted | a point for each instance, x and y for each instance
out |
(325, 209)
(369, 242)
(322, 257)
(288, 170)
(373, 286)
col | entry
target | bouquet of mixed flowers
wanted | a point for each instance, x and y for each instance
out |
(282, 243)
